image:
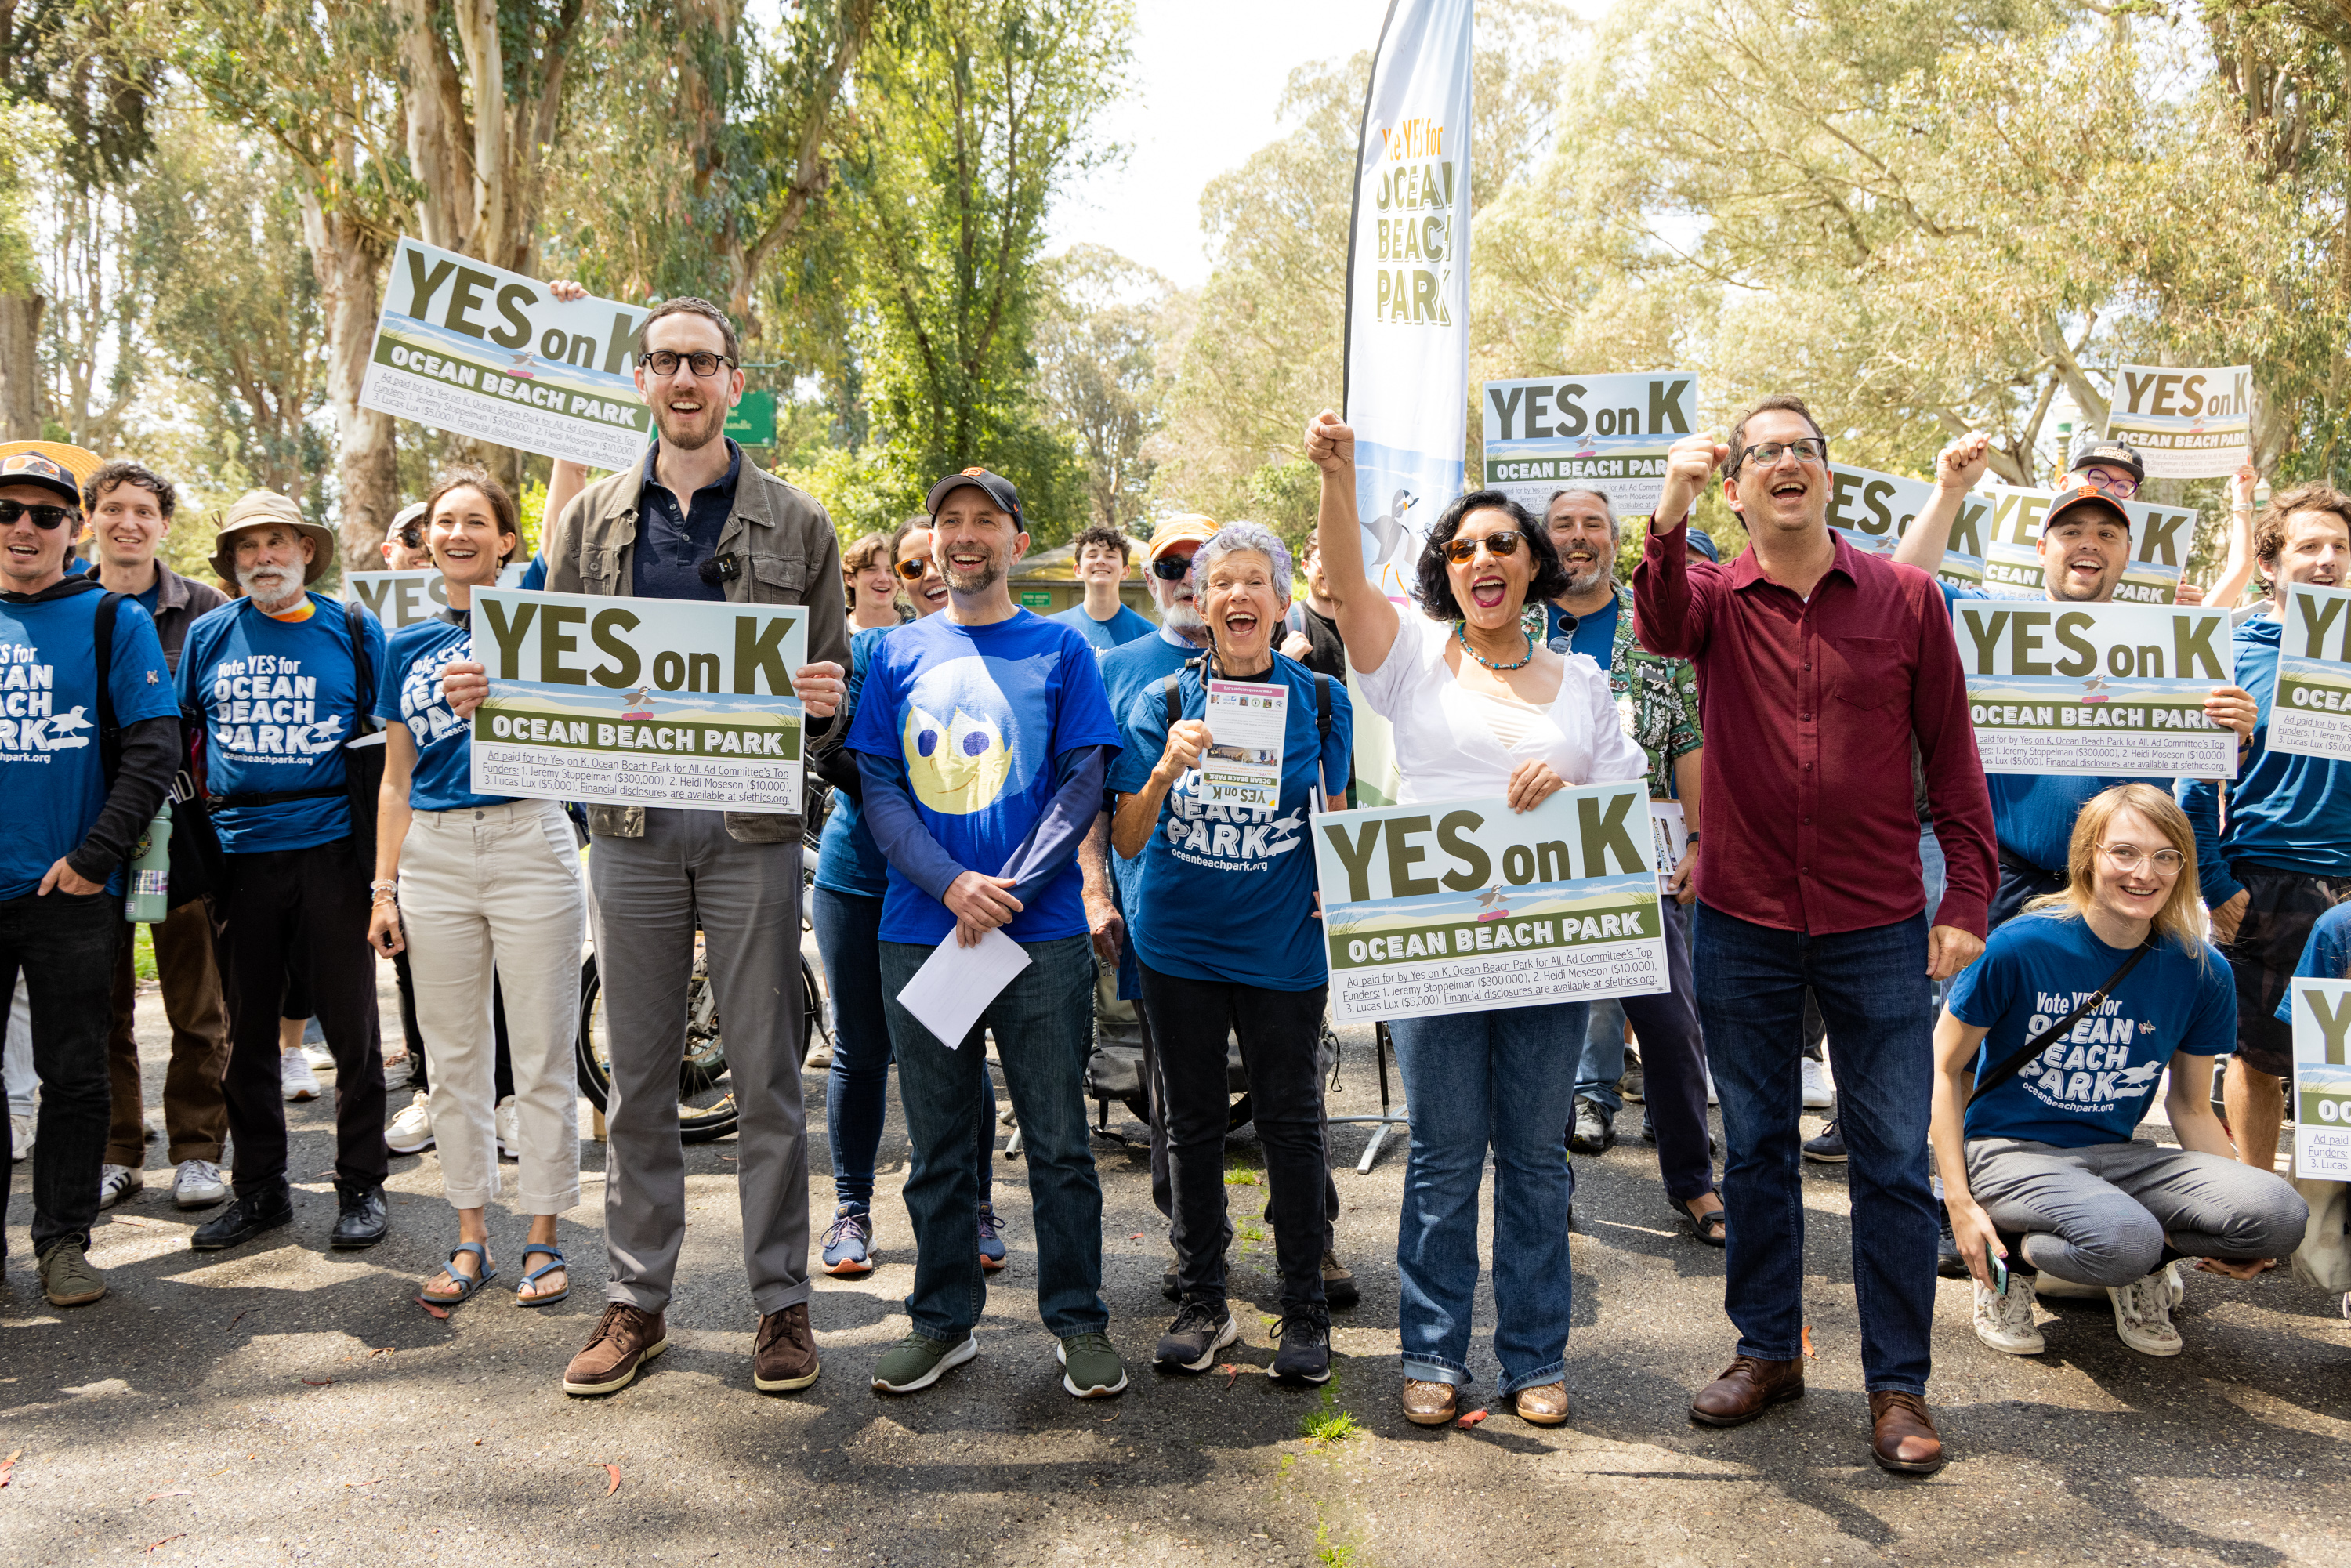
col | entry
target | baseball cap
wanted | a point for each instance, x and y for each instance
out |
(35, 468)
(995, 486)
(2111, 453)
(1703, 542)
(2081, 495)
(1174, 530)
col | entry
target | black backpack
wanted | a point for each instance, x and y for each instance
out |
(1171, 697)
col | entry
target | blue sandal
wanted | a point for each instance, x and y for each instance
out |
(468, 1287)
(544, 1268)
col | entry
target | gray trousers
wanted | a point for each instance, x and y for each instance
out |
(2099, 1216)
(650, 891)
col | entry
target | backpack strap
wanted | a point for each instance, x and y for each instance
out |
(363, 721)
(109, 731)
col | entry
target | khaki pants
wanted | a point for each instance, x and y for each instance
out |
(497, 887)
(196, 1117)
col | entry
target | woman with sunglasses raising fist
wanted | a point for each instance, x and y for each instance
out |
(1480, 709)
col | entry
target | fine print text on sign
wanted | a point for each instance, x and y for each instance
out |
(1608, 432)
(1468, 906)
(2322, 1078)
(1246, 724)
(639, 701)
(2311, 714)
(472, 349)
(2191, 422)
(2097, 688)
(2161, 538)
(1873, 512)
(398, 599)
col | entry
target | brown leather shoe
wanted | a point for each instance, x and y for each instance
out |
(1902, 1436)
(1427, 1403)
(626, 1338)
(783, 1356)
(1543, 1405)
(1745, 1389)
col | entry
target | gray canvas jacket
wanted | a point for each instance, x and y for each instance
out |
(790, 557)
(179, 601)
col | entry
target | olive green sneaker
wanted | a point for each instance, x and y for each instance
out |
(918, 1362)
(1091, 1369)
(67, 1278)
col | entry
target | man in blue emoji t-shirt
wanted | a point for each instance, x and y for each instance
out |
(982, 737)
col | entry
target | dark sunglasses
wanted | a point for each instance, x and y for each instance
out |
(44, 516)
(913, 571)
(1499, 543)
(1171, 568)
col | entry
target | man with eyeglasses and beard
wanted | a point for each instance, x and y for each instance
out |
(698, 521)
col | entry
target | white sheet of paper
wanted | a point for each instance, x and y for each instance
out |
(1673, 838)
(1247, 725)
(955, 984)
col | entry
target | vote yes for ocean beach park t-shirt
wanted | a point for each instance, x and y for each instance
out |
(279, 699)
(1226, 892)
(408, 691)
(976, 716)
(50, 770)
(2091, 1086)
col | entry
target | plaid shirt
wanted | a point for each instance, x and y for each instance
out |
(1656, 696)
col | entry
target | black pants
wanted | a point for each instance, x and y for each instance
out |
(64, 946)
(1673, 1066)
(2281, 907)
(306, 910)
(1277, 1029)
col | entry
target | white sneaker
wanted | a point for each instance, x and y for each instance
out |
(294, 1072)
(2143, 1316)
(2174, 1287)
(509, 1123)
(198, 1184)
(819, 1057)
(116, 1182)
(2005, 1321)
(398, 1071)
(1818, 1095)
(20, 1135)
(411, 1131)
(320, 1059)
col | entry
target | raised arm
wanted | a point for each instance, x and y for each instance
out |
(2237, 567)
(1957, 468)
(1662, 615)
(1368, 622)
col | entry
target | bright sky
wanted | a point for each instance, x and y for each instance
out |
(1207, 77)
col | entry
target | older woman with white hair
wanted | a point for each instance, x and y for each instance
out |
(1224, 931)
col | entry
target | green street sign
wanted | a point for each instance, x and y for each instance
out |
(1035, 598)
(752, 422)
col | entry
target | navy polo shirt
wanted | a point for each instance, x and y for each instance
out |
(670, 547)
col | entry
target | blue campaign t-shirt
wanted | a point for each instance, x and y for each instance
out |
(1226, 892)
(975, 716)
(1123, 626)
(280, 699)
(2325, 956)
(848, 859)
(51, 774)
(2092, 1085)
(534, 576)
(1145, 661)
(408, 691)
(1594, 635)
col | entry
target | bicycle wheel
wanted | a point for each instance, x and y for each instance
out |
(814, 1025)
(706, 1107)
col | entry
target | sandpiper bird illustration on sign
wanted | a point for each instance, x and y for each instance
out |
(1490, 905)
(636, 704)
(523, 361)
(1388, 527)
(2095, 687)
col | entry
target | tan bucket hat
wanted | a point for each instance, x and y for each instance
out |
(252, 510)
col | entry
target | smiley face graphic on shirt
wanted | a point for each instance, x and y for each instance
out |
(962, 743)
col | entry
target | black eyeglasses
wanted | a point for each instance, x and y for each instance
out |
(662, 362)
(44, 516)
(2122, 486)
(913, 571)
(1808, 449)
(1499, 543)
(1171, 568)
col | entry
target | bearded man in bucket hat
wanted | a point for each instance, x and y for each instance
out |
(282, 680)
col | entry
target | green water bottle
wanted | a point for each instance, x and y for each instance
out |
(148, 897)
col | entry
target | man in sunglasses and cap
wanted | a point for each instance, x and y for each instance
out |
(982, 737)
(83, 772)
(698, 521)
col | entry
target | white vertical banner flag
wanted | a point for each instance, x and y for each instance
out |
(1407, 364)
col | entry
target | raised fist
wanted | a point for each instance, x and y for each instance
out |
(1329, 443)
(1690, 463)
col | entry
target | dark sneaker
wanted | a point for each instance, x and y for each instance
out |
(1828, 1149)
(1339, 1291)
(849, 1242)
(626, 1337)
(1305, 1359)
(246, 1216)
(917, 1362)
(67, 1278)
(991, 1245)
(1595, 1128)
(783, 1356)
(1200, 1330)
(1090, 1368)
(362, 1222)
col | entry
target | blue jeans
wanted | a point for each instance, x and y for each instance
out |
(1043, 1023)
(1503, 1081)
(857, 1090)
(1601, 1065)
(1873, 992)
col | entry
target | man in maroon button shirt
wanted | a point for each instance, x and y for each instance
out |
(1819, 667)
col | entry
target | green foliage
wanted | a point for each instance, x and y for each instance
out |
(1326, 1423)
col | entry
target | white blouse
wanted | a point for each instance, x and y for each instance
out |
(1450, 743)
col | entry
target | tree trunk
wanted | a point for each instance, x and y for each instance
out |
(20, 384)
(348, 259)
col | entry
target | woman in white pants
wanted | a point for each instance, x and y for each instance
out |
(467, 883)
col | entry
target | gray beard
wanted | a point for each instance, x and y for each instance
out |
(251, 581)
(1185, 620)
(978, 581)
(1589, 580)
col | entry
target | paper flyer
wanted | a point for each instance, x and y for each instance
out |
(1607, 433)
(2187, 421)
(2092, 689)
(2311, 714)
(2322, 1078)
(1242, 766)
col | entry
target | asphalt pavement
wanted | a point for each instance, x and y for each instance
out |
(281, 1403)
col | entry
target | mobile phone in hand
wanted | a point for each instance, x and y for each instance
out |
(1999, 1271)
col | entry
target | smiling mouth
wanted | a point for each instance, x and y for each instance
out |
(1786, 488)
(1240, 623)
(1488, 592)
